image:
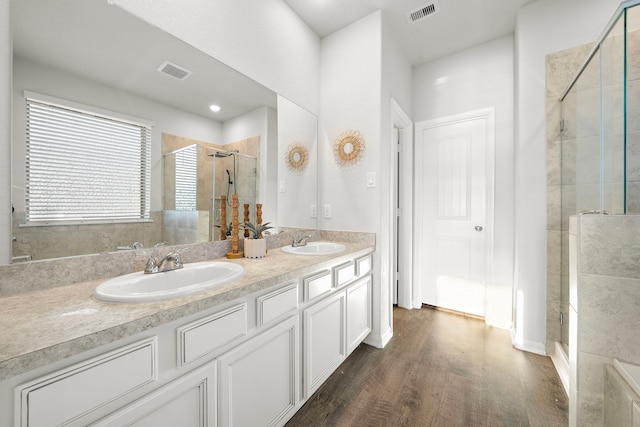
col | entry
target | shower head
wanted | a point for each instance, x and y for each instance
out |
(229, 177)
(224, 153)
(220, 154)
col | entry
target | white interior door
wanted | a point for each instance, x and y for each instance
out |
(451, 213)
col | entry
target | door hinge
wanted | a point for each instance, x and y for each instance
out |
(561, 318)
(562, 125)
(398, 212)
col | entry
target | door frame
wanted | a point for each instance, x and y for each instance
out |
(401, 121)
(488, 115)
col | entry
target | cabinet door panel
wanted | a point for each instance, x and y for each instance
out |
(259, 379)
(358, 312)
(324, 338)
(186, 402)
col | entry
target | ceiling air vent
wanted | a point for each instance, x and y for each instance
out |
(173, 70)
(416, 15)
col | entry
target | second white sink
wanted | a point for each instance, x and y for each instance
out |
(315, 248)
(192, 278)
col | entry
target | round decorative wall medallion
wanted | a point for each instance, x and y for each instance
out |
(297, 157)
(349, 148)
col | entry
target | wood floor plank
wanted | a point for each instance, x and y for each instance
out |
(440, 369)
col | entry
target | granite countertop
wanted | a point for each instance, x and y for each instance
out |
(50, 325)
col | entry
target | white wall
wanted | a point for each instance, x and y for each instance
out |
(296, 125)
(350, 79)
(6, 54)
(356, 89)
(396, 85)
(47, 81)
(543, 27)
(260, 122)
(262, 39)
(473, 79)
(350, 82)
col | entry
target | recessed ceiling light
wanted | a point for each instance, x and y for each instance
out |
(214, 108)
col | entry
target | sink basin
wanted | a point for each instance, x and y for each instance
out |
(315, 248)
(192, 278)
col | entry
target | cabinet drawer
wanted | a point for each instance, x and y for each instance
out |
(72, 393)
(211, 333)
(277, 303)
(343, 273)
(364, 265)
(317, 285)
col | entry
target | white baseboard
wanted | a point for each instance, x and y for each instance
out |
(530, 346)
(561, 363)
(379, 341)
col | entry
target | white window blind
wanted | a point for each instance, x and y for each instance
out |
(186, 178)
(83, 166)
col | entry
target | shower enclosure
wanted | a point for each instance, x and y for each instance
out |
(600, 136)
(234, 173)
(195, 178)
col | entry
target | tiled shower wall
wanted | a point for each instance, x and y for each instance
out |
(607, 296)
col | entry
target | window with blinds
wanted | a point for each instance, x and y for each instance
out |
(83, 166)
(186, 178)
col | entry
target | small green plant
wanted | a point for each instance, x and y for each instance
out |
(255, 231)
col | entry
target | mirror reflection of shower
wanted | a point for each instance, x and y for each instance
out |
(220, 154)
(234, 173)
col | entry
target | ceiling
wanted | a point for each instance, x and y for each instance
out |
(78, 36)
(456, 25)
(103, 43)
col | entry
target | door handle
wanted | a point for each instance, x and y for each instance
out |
(478, 228)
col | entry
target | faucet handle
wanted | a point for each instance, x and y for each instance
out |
(151, 267)
(176, 256)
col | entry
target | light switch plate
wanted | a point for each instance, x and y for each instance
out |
(327, 211)
(283, 186)
(371, 179)
(314, 211)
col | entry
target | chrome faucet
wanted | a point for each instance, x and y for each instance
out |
(302, 241)
(172, 257)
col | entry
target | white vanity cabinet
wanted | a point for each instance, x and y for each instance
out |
(337, 324)
(251, 361)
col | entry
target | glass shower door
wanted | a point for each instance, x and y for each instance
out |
(593, 147)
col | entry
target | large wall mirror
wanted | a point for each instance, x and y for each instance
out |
(96, 58)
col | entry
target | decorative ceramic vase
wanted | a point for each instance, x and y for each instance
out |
(255, 248)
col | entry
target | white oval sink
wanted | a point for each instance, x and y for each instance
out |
(192, 278)
(315, 248)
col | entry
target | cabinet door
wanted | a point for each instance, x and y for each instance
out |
(259, 380)
(324, 340)
(358, 312)
(188, 401)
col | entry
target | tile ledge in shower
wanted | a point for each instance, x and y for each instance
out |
(630, 373)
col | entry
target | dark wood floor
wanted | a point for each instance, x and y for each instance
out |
(440, 369)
